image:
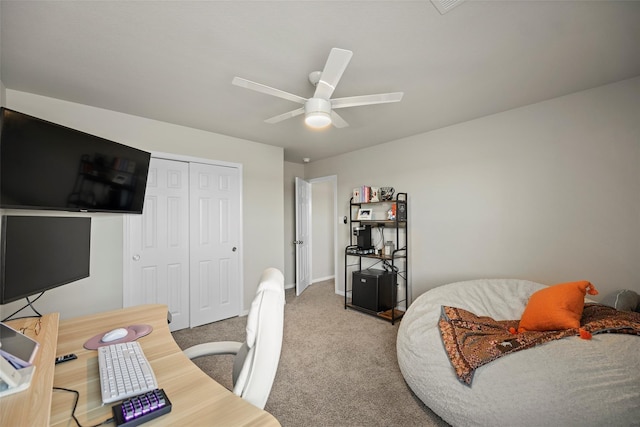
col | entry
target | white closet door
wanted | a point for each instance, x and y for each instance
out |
(215, 225)
(157, 252)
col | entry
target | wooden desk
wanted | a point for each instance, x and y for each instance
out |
(31, 406)
(196, 398)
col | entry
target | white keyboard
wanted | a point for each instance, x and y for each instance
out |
(124, 371)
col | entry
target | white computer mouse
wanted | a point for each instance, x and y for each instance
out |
(116, 334)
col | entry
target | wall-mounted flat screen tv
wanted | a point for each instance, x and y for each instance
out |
(44, 165)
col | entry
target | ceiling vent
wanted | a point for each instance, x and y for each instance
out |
(445, 6)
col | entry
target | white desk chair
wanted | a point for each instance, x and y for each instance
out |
(256, 361)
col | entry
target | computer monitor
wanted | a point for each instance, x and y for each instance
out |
(42, 252)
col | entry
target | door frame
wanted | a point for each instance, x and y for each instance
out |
(333, 179)
(126, 255)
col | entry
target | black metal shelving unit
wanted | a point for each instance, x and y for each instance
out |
(397, 262)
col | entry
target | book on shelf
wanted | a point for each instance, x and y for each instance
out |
(363, 194)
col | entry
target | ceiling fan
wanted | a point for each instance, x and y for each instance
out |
(319, 109)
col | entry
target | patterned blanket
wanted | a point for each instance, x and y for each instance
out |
(472, 341)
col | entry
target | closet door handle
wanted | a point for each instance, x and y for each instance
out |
(234, 249)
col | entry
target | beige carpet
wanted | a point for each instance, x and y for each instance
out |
(338, 367)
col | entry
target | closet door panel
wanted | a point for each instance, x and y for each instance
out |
(156, 261)
(215, 231)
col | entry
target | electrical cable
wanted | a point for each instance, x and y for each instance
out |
(381, 229)
(75, 405)
(390, 268)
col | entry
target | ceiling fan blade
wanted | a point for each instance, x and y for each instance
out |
(239, 81)
(285, 116)
(333, 70)
(355, 101)
(338, 121)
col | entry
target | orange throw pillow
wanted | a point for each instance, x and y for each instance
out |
(556, 307)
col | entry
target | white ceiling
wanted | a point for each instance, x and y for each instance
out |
(174, 60)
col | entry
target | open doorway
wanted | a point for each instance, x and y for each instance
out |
(315, 245)
(323, 229)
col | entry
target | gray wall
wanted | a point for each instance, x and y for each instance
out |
(3, 92)
(263, 199)
(322, 227)
(549, 192)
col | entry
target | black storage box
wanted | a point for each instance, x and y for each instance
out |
(372, 289)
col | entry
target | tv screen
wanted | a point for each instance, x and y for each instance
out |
(44, 165)
(42, 252)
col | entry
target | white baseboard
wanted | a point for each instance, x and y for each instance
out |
(322, 279)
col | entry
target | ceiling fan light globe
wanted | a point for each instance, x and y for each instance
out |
(317, 113)
(317, 120)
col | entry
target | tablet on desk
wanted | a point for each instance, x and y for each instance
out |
(18, 349)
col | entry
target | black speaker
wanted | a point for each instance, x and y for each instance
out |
(402, 211)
